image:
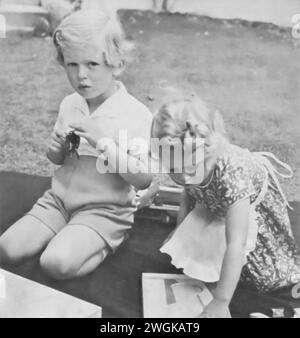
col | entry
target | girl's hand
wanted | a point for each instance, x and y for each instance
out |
(89, 130)
(216, 309)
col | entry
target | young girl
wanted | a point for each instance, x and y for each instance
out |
(89, 210)
(239, 227)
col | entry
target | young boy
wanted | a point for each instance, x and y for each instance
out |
(87, 212)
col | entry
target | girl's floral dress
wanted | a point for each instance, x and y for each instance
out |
(272, 260)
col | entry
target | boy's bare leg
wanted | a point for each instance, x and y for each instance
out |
(25, 238)
(75, 251)
(92, 263)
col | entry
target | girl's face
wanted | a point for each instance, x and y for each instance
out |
(169, 154)
(87, 71)
(183, 162)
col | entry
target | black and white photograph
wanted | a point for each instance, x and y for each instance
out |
(150, 161)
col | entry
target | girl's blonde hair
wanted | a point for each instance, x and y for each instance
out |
(192, 114)
(97, 27)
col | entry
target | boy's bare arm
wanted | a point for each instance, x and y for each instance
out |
(55, 158)
(57, 148)
(137, 170)
(140, 181)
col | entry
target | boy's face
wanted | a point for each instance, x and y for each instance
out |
(87, 71)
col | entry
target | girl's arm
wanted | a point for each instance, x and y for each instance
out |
(237, 220)
(186, 204)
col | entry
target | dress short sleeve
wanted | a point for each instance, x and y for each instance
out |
(235, 180)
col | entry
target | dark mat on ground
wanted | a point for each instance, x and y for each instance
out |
(116, 285)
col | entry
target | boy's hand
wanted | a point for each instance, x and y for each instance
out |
(57, 147)
(90, 130)
(57, 142)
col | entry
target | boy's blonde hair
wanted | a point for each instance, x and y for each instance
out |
(97, 27)
(192, 114)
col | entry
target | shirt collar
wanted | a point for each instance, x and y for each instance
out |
(109, 104)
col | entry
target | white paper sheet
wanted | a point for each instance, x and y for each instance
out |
(2, 286)
(173, 296)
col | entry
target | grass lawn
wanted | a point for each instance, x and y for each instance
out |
(249, 72)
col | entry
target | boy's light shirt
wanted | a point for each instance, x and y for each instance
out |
(120, 112)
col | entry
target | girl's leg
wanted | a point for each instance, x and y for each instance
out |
(27, 237)
(75, 251)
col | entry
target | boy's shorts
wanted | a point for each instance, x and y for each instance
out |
(110, 222)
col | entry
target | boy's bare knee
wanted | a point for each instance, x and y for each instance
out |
(57, 265)
(9, 253)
